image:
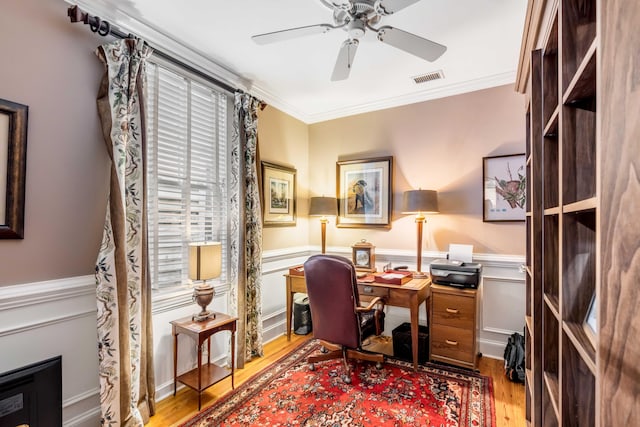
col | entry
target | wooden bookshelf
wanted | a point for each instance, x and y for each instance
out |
(582, 131)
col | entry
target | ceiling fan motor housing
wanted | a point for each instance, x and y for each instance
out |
(364, 11)
(356, 28)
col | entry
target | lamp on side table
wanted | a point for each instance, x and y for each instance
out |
(205, 262)
(323, 206)
(420, 202)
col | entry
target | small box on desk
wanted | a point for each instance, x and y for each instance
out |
(393, 277)
(402, 348)
(296, 270)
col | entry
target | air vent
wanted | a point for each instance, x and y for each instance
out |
(424, 78)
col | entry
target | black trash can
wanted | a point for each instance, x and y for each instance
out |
(402, 343)
(301, 315)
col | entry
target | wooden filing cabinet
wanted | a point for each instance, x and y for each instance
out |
(453, 326)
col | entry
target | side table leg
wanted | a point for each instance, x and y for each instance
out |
(414, 329)
(233, 357)
(175, 361)
(289, 308)
(199, 374)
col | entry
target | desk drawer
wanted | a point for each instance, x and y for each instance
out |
(367, 292)
(453, 310)
(453, 343)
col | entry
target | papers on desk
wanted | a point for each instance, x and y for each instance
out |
(390, 276)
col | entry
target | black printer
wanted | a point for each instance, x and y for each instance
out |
(455, 273)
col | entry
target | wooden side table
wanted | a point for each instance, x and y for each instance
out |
(206, 375)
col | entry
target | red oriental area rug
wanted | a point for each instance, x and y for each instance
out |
(287, 393)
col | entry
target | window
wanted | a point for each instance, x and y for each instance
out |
(187, 168)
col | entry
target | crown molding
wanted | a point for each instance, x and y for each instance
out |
(452, 89)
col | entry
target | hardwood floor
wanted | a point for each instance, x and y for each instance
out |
(509, 397)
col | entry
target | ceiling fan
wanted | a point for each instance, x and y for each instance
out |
(355, 17)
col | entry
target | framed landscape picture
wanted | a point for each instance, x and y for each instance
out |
(504, 188)
(364, 190)
(278, 195)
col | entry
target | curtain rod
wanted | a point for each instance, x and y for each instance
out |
(104, 28)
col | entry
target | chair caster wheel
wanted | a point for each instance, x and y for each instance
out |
(312, 367)
(378, 365)
(347, 380)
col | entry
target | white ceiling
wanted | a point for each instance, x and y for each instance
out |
(482, 37)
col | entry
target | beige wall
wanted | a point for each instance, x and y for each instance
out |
(436, 145)
(284, 140)
(49, 65)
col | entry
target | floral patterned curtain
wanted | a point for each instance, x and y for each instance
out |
(246, 229)
(125, 350)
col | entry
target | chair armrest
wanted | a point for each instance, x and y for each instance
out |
(378, 313)
(372, 304)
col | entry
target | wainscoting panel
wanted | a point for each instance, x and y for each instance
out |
(47, 319)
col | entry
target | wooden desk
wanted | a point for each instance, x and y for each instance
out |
(410, 295)
(205, 376)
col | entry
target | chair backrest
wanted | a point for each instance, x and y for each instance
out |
(333, 297)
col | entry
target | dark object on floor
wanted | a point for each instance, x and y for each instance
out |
(402, 348)
(301, 315)
(514, 358)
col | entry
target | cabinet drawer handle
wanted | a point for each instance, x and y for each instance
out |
(367, 289)
(453, 310)
(451, 342)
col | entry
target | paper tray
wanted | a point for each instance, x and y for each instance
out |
(393, 277)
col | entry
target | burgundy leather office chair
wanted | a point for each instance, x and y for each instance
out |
(339, 322)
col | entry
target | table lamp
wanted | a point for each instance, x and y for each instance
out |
(420, 202)
(323, 207)
(205, 262)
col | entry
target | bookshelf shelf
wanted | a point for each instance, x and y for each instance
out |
(583, 85)
(553, 387)
(551, 128)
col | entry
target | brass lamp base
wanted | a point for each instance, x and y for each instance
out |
(203, 315)
(202, 295)
(419, 275)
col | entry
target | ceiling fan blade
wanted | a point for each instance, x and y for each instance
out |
(345, 60)
(410, 43)
(291, 33)
(392, 6)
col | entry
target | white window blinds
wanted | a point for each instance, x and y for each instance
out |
(186, 171)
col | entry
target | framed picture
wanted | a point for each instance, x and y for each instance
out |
(590, 325)
(365, 192)
(504, 188)
(13, 168)
(278, 195)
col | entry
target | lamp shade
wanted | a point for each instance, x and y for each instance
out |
(323, 206)
(205, 260)
(420, 201)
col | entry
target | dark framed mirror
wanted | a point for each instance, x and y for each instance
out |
(13, 168)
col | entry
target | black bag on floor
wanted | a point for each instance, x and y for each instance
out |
(514, 358)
